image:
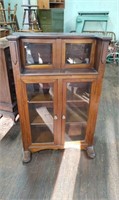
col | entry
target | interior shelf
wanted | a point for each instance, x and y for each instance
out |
(40, 98)
(39, 121)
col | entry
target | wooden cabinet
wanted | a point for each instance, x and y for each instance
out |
(59, 77)
(51, 15)
(51, 20)
(57, 3)
(43, 4)
(8, 104)
(46, 4)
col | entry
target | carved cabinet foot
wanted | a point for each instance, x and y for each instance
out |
(26, 156)
(90, 152)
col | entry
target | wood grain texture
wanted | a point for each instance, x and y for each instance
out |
(74, 48)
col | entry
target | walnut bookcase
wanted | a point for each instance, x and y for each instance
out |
(58, 80)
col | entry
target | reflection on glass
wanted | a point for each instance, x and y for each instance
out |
(38, 53)
(78, 53)
(78, 95)
(40, 102)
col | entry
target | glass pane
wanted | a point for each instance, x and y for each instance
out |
(78, 53)
(38, 53)
(77, 105)
(41, 112)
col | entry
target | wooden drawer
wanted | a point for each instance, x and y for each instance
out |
(45, 17)
(46, 28)
(51, 20)
(43, 4)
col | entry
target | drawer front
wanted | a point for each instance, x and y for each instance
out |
(58, 14)
(57, 26)
(46, 28)
(57, 20)
(44, 17)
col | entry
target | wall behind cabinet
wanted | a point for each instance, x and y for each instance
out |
(72, 7)
(19, 9)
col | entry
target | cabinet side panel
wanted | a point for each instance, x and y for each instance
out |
(19, 85)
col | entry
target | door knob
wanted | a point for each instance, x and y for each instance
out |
(55, 117)
(63, 117)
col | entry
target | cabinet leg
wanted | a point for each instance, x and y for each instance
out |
(26, 156)
(90, 152)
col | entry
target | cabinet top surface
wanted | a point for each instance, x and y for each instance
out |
(39, 35)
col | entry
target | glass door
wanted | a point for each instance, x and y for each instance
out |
(76, 96)
(78, 53)
(41, 98)
(38, 53)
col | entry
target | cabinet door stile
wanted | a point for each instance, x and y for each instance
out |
(63, 53)
(24, 118)
(58, 54)
(22, 54)
(92, 116)
(59, 107)
(56, 115)
(63, 114)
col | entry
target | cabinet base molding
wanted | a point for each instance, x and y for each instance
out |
(27, 155)
(67, 145)
(36, 148)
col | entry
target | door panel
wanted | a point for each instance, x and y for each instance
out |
(42, 104)
(78, 53)
(38, 54)
(76, 97)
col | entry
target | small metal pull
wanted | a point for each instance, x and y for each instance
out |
(55, 117)
(63, 117)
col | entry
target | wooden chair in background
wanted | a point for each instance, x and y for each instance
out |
(8, 17)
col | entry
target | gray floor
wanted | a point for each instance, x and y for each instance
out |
(68, 174)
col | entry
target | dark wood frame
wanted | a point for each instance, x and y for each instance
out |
(60, 75)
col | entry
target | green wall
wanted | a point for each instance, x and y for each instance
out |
(72, 7)
(19, 9)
